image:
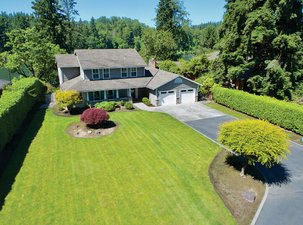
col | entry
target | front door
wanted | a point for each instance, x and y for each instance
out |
(133, 93)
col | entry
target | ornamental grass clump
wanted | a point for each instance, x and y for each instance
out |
(255, 140)
(94, 117)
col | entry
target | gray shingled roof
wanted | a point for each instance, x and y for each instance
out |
(67, 60)
(3, 83)
(160, 78)
(81, 85)
(109, 58)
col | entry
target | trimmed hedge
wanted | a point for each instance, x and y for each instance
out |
(15, 103)
(284, 114)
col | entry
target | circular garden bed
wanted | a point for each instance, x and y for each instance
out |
(81, 130)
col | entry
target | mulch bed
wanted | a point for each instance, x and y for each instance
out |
(241, 195)
(80, 130)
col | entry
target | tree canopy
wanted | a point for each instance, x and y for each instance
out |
(50, 21)
(172, 17)
(256, 141)
(261, 41)
(31, 54)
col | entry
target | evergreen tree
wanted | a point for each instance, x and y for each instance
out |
(51, 21)
(172, 17)
(93, 39)
(262, 41)
(68, 8)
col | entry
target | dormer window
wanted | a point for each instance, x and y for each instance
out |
(106, 74)
(133, 72)
(95, 74)
(124, 73)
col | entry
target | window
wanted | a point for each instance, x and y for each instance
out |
(183, 91)
(95, 74)
(133, 72)
(111, 94)
(106, 74)
(163, 92)
(190, 90)
(124, 72)
(96, 96)
(171, 92)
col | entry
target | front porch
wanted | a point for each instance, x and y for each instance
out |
(130, 94)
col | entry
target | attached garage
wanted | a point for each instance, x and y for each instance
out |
(167, 88)
(168, 97)
(187, 96)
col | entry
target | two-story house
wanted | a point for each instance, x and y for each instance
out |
(121, 74)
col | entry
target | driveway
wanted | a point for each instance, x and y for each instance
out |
(284, 203)
(198, 116)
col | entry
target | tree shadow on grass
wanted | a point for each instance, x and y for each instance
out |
(12, 157)
(276, 175)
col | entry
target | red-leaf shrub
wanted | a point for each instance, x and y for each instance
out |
(93, 117)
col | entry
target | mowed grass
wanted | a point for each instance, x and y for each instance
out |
(152, 170)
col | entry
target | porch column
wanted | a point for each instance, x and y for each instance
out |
(117, 93)
(129, 92)
(87, 96)
(105, 95)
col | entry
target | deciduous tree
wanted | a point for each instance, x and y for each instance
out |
(31, 55)
(256, 141)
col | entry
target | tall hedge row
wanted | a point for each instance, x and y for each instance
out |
(284, 114)
(15, 103)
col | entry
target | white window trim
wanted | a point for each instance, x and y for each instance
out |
(132, 71)
(126, 72)
(95, 73)
(108, 73)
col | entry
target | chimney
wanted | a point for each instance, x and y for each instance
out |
(153, 64)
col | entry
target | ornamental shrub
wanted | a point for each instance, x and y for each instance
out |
(67, 99)
(146, 101)
(284, 114)
(94, 117)
(15, 103)
(107, 106)
(256, 140)
(129, 105)
(120, 103)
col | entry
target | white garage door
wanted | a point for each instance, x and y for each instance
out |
(188, 96)
(168, 98)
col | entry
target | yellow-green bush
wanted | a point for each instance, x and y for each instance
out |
(284, 114)
(67, 99)
(15, 103)
(256, 140)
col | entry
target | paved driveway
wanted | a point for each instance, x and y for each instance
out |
(198, 116)
(284, 204)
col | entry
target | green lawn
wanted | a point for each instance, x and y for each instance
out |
(152, 170)
(228, 111)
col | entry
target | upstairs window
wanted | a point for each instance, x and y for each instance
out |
(95, 74)
(124, 73)
(133, 72)
(106, 74)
